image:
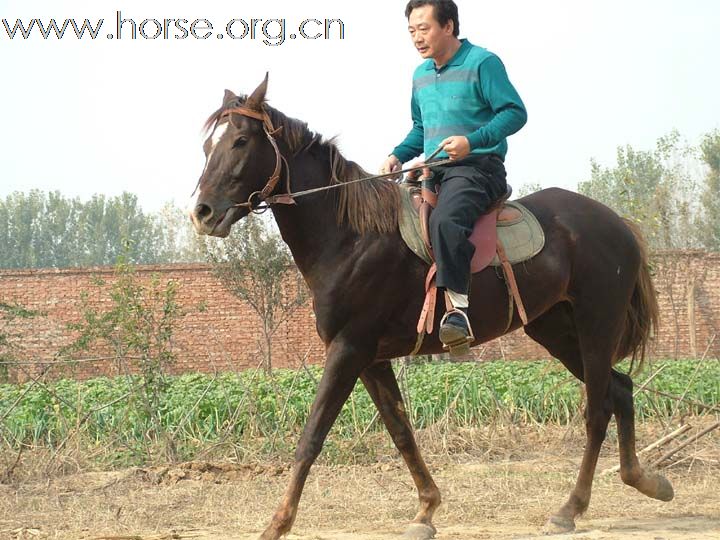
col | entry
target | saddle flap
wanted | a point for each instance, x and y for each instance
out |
(484, 238)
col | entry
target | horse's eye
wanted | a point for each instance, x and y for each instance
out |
(240, 142)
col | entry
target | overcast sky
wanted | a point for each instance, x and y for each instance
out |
(106, 115)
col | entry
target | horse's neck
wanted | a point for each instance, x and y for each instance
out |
(310, 227)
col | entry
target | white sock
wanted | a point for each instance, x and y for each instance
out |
(458, 300)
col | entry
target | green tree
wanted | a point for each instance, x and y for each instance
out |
(40, 229)
(254, 263)
(104, 225)
(708, 224)
(19, 214)
(658, 189)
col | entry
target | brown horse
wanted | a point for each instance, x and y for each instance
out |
(588, 294)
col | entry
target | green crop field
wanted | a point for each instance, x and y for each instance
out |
(198, 410)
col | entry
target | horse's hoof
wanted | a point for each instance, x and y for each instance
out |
(558, 525)
(664, 491)
(419, 531)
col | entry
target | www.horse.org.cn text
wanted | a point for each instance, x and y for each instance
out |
(271, 32)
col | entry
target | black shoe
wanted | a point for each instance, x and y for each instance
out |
(455, 334)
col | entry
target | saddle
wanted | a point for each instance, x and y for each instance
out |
(489, 249)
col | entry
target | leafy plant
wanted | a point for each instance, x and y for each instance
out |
(138, 329)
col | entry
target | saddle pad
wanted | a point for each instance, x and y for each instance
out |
(523, 238)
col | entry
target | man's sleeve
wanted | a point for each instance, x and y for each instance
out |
(503, 99)
(412, 146)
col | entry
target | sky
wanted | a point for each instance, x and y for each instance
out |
(108, 115)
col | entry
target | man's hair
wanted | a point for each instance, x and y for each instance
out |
(444, 10)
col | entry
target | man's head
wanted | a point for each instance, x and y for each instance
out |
(433, 26)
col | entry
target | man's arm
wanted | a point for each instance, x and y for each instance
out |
(500, 94)
(412, 146)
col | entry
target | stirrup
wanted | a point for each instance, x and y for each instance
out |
(456, 343)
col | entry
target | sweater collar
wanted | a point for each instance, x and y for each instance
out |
(457, 59)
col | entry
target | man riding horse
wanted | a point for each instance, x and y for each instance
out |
(588, 294)
(463, 102)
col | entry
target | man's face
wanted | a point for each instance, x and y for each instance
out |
(430, 39)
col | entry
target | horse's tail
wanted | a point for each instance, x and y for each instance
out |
(642, 314)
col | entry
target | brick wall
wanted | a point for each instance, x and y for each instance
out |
(220, 332)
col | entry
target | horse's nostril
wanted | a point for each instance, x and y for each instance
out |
(203, 212)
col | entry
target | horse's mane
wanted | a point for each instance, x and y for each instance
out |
(368, 206)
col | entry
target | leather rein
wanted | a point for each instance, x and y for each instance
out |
(259, 201)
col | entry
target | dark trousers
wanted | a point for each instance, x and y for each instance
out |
(467, 191)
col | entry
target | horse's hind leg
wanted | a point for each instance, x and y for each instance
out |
(651, 484)
(588, 358)
(381, 384)
(556, 331)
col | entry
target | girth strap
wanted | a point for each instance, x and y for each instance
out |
(511, 283)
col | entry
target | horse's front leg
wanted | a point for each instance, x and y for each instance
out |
(381, 384)
(345, 362)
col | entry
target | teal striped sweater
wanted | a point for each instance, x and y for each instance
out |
(471, 95)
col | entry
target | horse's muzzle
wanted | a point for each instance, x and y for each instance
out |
(213, 222)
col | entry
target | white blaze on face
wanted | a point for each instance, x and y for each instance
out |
(217, 134)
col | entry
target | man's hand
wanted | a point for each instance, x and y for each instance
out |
(457, 146)
(391, 164)
(414, 175)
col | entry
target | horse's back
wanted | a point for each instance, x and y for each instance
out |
(590, 225)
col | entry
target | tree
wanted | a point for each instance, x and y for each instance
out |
(50, 230)
(708, 225)
(138, 327)
(254, 263)
(177, 240)
(105, 224)
(528, 188)
(657, 189)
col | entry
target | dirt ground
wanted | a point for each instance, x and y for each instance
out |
(504, 492)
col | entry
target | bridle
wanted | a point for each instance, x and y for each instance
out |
(263, 195)
(259, 201)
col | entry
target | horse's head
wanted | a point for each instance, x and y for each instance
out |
(240, 159)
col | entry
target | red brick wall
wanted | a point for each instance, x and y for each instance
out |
(220, 332)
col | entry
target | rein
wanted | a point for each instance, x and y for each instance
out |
(265, 200)
(288, 198)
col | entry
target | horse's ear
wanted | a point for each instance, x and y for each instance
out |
(257, 98)
(228, 97)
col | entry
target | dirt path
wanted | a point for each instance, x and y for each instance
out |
(685, 528)
(483, 498)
